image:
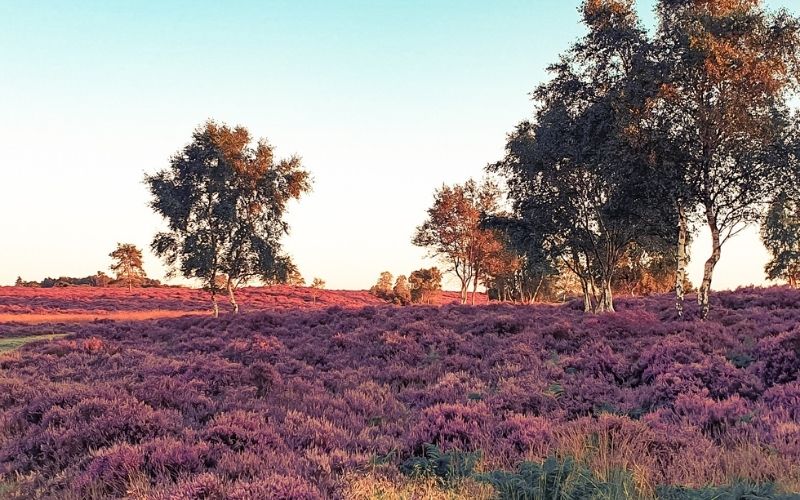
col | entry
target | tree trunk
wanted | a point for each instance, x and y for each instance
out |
(593, 290)
(215, 311)
(606, 303)
(474, 289)
(680, 272)
(536, 290)
(464, 289)
(588, 305)
(708, 269)
(232, 298)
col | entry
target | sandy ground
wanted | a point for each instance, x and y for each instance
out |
(34, 319)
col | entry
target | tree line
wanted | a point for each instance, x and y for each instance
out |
(420, 287)
(637, 141)
(127, 266)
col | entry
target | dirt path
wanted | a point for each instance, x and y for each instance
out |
(34, 319)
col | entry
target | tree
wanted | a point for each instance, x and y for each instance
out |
(383, 288)
(453, 233)
(649, 270)
(780, 232)
(578, 177)
(401, 291)
(224, 200)
(293, 276)
(102, 280)
(317, 285)
(128, 265)
(727, 66)
(521, 269)
(425, 284)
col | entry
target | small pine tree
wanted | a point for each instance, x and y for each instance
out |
(317, 285)
(128, 264)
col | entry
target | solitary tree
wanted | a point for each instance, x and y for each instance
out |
(317, 285)
(128, 264)
(453, 232)
(224, 199)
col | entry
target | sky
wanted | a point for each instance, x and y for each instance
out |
(384, 101)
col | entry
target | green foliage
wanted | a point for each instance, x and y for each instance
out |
(224, 199)
(8, 344)
(557, 480)
(740, 359)
(128, 265)
(446, 467)
(739, 491)
(401, 291)
(556, 390)
(576, 173)
(780, 232)
(424, 284)
(383, 287)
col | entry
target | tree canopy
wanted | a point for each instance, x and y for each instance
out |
(635, 136)
(453, 231)
(128, 264)
(224, 200)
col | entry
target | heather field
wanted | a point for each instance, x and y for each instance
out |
(52, 305)
(18, 302)
(412, 402)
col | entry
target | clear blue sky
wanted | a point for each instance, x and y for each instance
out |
(384, 100)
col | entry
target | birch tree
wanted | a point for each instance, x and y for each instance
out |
(729, 66)
(224, 199)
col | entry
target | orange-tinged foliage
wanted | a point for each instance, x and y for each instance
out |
(740, 61)
(726, 7)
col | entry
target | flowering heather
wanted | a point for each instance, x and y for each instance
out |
(307, 403)
(18, 302)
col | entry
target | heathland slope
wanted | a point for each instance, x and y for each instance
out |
(327, 402)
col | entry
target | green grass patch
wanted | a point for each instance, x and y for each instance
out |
(8, 344)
